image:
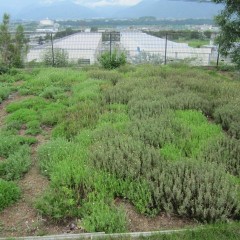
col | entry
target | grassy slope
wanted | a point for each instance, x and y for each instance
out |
(130, 124)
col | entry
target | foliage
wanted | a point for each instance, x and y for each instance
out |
(57, 58)
(76, 118)
(112, 60)
(146, 134)
(99, 216)
(228, 231)
(224, 151)
(9, 193)
(5, 91)
(113, 76)
(12, 49)
(229, 21)
(33, 127)
(58, 203)
(228, 115)
(68, 31)
(16, 165)
(127, 158)
(60, 78)
(52, 92)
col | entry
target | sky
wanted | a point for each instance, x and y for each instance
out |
(97, 3)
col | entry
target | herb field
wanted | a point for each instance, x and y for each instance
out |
(165, 139)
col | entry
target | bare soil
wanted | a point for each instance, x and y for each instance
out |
(140, 223)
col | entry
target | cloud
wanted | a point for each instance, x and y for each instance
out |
(98, 3)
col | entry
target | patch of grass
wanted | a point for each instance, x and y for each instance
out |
(99, 216)
(10, 143)
(198, 43)
(77, 117)
(212, 232)
(16, 165)
(88, 90)
(22, 116)
(9, 193)
(52, 93)
(34, 103)
(33, 128)
(52, 79)
(192, 133)
(51, 114)
(4, 92)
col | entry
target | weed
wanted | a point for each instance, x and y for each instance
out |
(9, 193)
(16, 165)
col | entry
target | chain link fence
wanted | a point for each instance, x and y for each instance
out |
(84, 48)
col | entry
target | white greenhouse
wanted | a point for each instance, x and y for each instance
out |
(140, 44)
(82, 47)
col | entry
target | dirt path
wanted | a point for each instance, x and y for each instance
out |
(22, 219)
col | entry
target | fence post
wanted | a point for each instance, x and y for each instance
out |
(165, 58)
(53, 60)
(218, 55)
(111, 45)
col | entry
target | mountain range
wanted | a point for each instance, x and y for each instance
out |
(69, 9)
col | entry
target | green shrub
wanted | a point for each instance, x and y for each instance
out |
(224, 151)
(3, 69)
(58, 203)
(107, 75)
(77, 117)
(13, 126)
(112, 60)
(49, 154)
(118, 121)
(61, 78)
(22, 116)
(9, 193)
(51, 114)
(229, 117)
(197, 190)
(60, 58)
(122, 155)
(101, 217)
(52, 92)
(16, 165)
(4, 92)
(10, 143)
(34, 103)
(168, 186)
(33, 128)
(86, 91)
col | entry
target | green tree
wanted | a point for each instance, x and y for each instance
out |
(12, 48)
(5, 41)
(20, 47)
(229, 22)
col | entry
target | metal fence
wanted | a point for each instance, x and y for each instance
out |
(84, 48)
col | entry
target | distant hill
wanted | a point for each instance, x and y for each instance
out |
(173, 9)
(58, 10)
(68, 9)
